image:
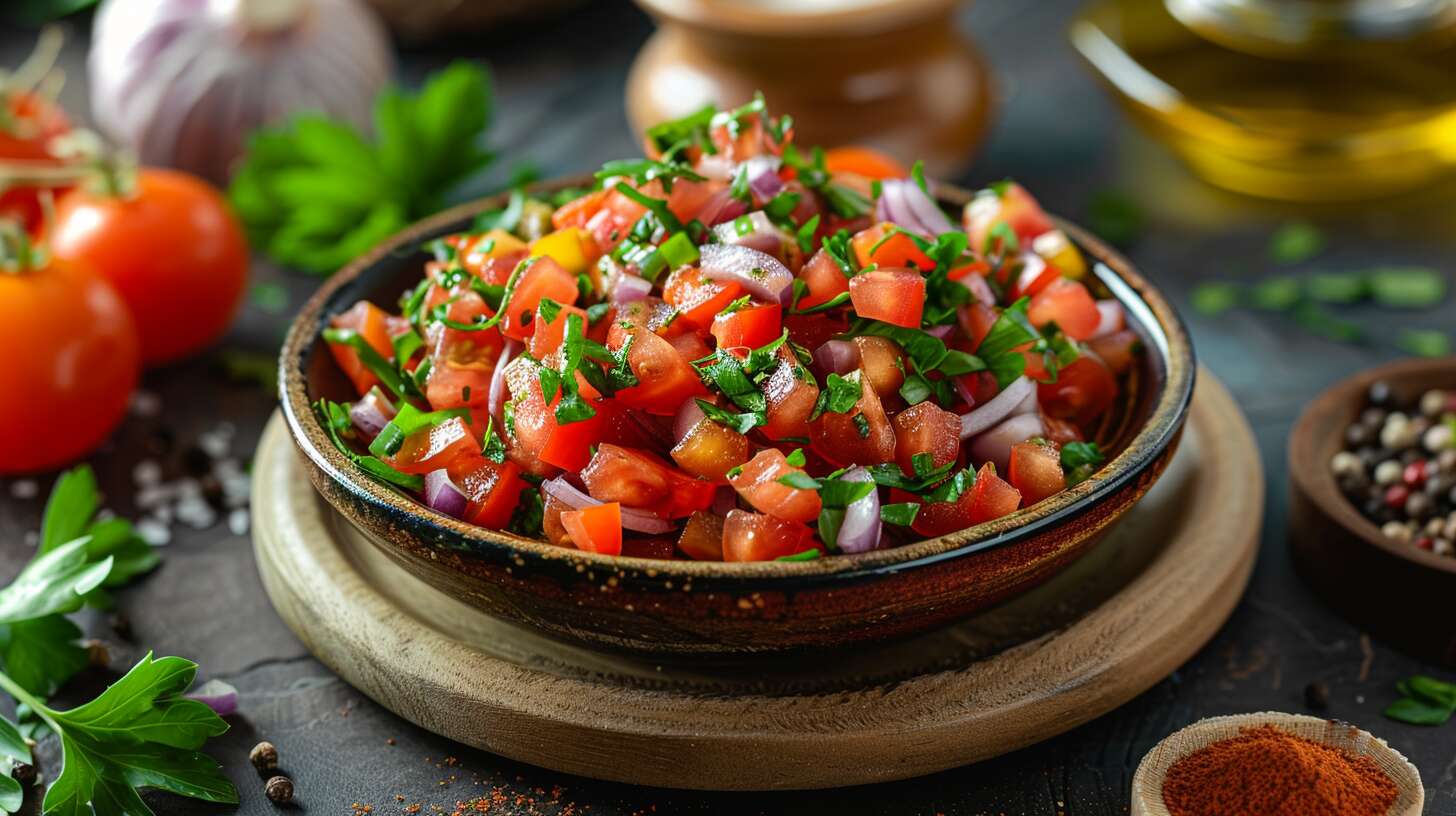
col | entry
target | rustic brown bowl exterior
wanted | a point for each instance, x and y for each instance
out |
(1397, 592)
(704, 609)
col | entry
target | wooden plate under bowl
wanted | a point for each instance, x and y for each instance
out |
(709, 609)
(1399, 593)
(1147, 783)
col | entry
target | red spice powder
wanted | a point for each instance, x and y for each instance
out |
(1266, 771)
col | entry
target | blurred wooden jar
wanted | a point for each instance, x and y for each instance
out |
(893, 74)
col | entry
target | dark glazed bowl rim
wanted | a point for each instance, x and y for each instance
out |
(1145, 306)
(1312, 477)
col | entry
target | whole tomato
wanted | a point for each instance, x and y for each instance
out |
(173, 250)
(28, 123)
(71, 361)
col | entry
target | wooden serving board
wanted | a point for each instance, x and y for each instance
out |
(1104, 630)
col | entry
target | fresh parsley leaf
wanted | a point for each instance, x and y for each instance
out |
(806, 555)
(804, 235)
(1425, 342)
(388, 374)
(797, 458)
(1412, 711)
(902, 514)
(642, 171)
(1406, 287)
(529, 515)
(1077, 454)
(798, 479)
(408, 421)
(56, 582)
(740, 423)
(890, 475)
(832, 303)
(492, 447)
(839, 395)
(690, 130)
(1213, 298)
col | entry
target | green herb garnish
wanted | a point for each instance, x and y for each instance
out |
(1295, 242)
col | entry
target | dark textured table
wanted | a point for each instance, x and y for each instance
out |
(560, 106)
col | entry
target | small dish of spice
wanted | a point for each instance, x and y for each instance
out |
(1372, 518)
(1271, 763)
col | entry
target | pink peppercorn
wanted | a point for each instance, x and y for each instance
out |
(1395, 496)
(1425, 542)
(1414, 473)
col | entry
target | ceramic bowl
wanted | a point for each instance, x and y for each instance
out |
(1147, 782)
(1396, 592)
(689, 608)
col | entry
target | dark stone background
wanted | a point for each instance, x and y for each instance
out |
(560, 106)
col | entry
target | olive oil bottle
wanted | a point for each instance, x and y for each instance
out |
(1304, 100)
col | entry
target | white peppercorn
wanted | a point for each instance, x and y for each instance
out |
(1433, 402)
(1346, 463)
(1396, 530)
(1387, 472)
(1397, 432)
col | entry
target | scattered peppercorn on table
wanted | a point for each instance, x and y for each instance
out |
(559, 102)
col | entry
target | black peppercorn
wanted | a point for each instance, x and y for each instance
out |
(1379, 394)
(1359, 436)
(1354, 484)
(1317, 696)
(279, 790)
(211, 489)
(196, 462)
(1373, 418)
(1419, 506)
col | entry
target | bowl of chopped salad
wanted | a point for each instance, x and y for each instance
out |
(737, 396)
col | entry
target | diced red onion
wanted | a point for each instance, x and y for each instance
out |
(836, 357)
(724, 500)
(995, 445)
(369, 415)
(442, 495)
(861, 529)
(902, 202)
(1030, 405)
(221, 697)
(757, 272)
(641, 521)
(965, 391)
(939, 332)
(760, 233)
(689, 414)
(656, 428)
(629, 288)
(1110, 312)
(763, 176)
(997, 408)
(1032, 265)
(715, 166)
(980, 290)
(496, 398)
(720, 207)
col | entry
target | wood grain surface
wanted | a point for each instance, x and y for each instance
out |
(1105, 630)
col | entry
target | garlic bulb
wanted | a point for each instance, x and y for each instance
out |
(184, 82)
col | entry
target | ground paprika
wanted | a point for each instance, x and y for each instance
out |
(1268, 772)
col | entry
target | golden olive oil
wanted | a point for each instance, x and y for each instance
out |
(1290, 99)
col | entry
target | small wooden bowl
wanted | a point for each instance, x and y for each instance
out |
(1147, 783)
(710, 609)
(1397, 592)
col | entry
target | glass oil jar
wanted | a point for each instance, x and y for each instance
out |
(1301, 100)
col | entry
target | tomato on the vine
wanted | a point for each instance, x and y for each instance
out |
(172, 248)
(28, 124)
(71, 359)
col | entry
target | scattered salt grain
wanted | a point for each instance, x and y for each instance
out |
(24, 489)
(147, 473)
(195, 512)
(153, 531)
(32, 538)
(238, 522)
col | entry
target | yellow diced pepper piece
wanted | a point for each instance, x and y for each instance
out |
(564, 246)
(1055, 249)
(501, 243)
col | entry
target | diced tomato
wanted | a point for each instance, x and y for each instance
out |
(749, 536)
(709, 450)
(639, 479)
(690, 346)
(542, 279)
(370, 322)
(926, 428)
(1118, 350)
(664, 378)
(462, 362)
(1083, 391)
(790, 391)
(1068, 304)
(538, 443)
(1036, 275)
(881, 360)
(976, 320)
(702, 537)
(812, 330)
(892, 295)
(845, 439)
(548, 334)
(436, 447)
(493, 490)
(759, 485)
(1014, 207)
(578, 211)
(491, 255)
(753, 325)
(992, 497)
(1059, 431)
(697, 297)
(863, 161)
(568, 446)
(687, 197)
(823, 279)
(1036, 367)
(748, 137)
(551, 510)
(1036, 471)
(870, 246)
(597, 528)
